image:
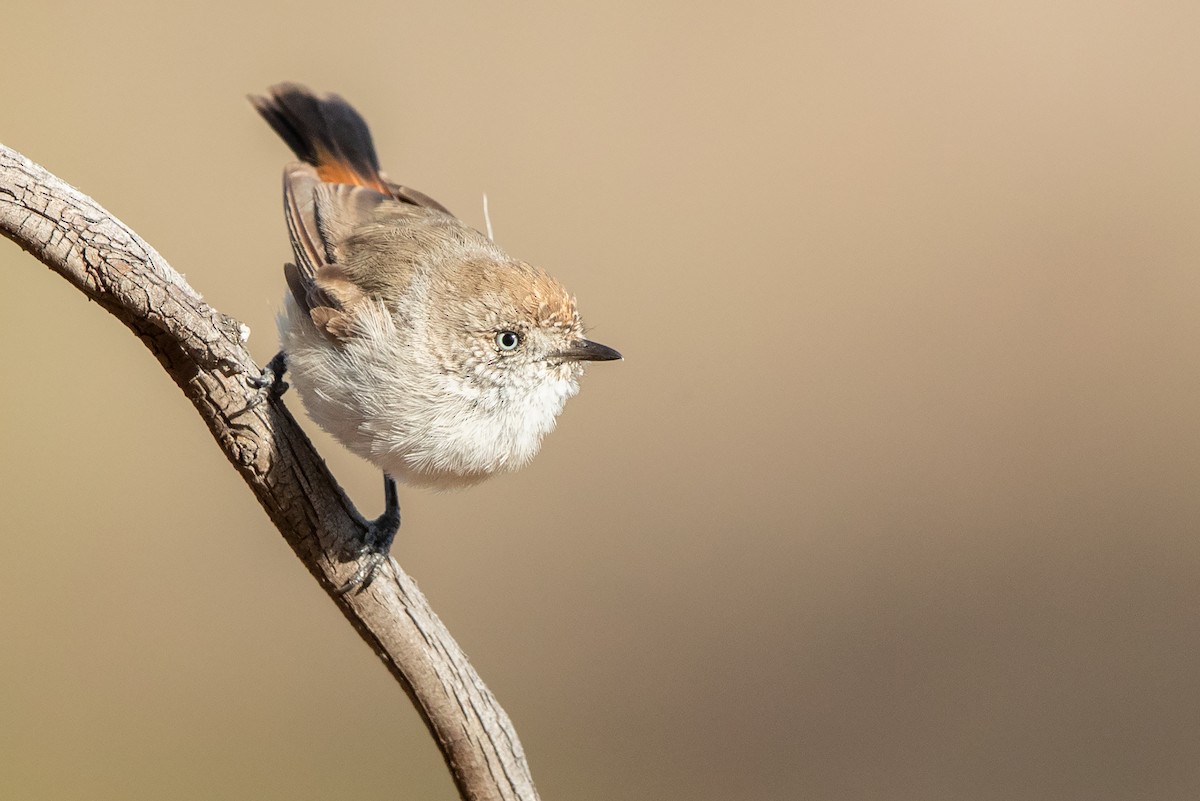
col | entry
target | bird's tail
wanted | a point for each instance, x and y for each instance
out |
(325, 132)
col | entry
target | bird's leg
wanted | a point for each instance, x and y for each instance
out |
(271, 378)
(377, 541)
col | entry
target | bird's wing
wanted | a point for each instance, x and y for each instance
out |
(320, 217)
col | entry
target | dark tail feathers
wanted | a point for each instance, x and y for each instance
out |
(325, 132)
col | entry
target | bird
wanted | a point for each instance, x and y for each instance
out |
(411, 337)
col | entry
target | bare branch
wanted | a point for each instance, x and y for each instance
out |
(202, 350)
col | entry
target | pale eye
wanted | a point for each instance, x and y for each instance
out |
(508, 340)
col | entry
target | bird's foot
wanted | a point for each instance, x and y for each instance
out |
(271, 379)
(377, 541)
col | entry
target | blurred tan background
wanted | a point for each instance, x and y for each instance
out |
(894, 497)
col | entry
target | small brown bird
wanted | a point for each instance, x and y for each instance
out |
(411, 337)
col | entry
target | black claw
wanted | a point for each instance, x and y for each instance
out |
(377, 541)
(272, 376)
(368, 568)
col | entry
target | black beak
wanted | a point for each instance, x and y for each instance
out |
(584, 350)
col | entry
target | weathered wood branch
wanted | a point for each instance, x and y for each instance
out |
(202, 350)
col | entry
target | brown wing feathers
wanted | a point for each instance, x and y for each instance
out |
(337, 186)
(333, 141)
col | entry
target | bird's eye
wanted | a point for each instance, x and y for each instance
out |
(508, 340)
